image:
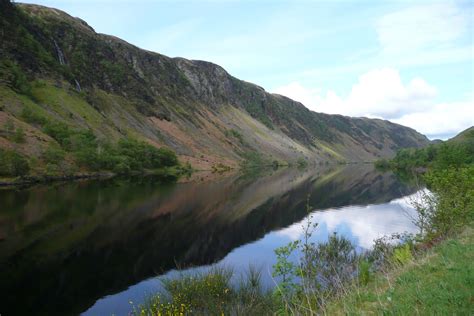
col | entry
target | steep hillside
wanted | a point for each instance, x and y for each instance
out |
(56, 68)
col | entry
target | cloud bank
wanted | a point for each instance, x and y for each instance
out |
(380, 93)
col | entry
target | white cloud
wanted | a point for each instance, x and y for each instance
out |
(378, 93)
(421, 27)
(441, 120)
(382, 93)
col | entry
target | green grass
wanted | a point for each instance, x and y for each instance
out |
(69, 105)
(440, 282)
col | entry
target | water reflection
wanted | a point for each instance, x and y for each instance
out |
(63, 247)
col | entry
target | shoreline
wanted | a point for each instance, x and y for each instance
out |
(195, 176)
(31, 180)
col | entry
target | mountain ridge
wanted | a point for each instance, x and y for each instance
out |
(103, 83)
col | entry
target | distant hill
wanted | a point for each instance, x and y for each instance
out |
(465, 136)
(55, 67)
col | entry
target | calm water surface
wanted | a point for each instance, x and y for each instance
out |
(91, 247)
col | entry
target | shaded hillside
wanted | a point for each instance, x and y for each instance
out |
(58, 68)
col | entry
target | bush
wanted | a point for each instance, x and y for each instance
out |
(20, 166)
(253, 159)
(12, 164)
(166, 157)
(59, 131)
(302, 162)
(402, 254)
(32, 117)
(17, 78)
(235, 134)
(210, 293)
(364, 275)
(53, 154)
(453, 191)
(382, 164)
(140, 155)
(317, 273)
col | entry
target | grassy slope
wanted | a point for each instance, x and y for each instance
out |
(440, 282)
(464, 136)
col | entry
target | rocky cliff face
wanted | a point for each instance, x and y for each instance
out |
(59, 66)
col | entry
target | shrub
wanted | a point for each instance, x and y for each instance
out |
(402, 254)
(318, 272)
(20, 166)
(32, 117)
(453, 198)
(53, 154)
(302, 162)
(18, 80)
(210, 293)
(364, 272)
(253, 159)
(141, 155)
(235, 134)
(121, 168)
(13, 164)
(59, 131)
(382, 164)
(166, 157)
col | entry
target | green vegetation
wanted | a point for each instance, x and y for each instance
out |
(448, 171)
(15, 76)
(253, 159)
(13, 164)
(232, 133)
(302, 162)
(452, 204)
(449, 154)
(437, 282)
(126, 156)
(210, 293)
(33, 117)
(220, 168)
(257, 111)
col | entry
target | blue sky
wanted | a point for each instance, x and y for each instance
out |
(406, 61)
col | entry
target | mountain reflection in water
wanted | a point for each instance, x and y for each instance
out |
(64, 247)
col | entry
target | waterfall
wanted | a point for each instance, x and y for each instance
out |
(78, 86)
(60, 53)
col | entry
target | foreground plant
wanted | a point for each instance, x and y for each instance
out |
(210, 293)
